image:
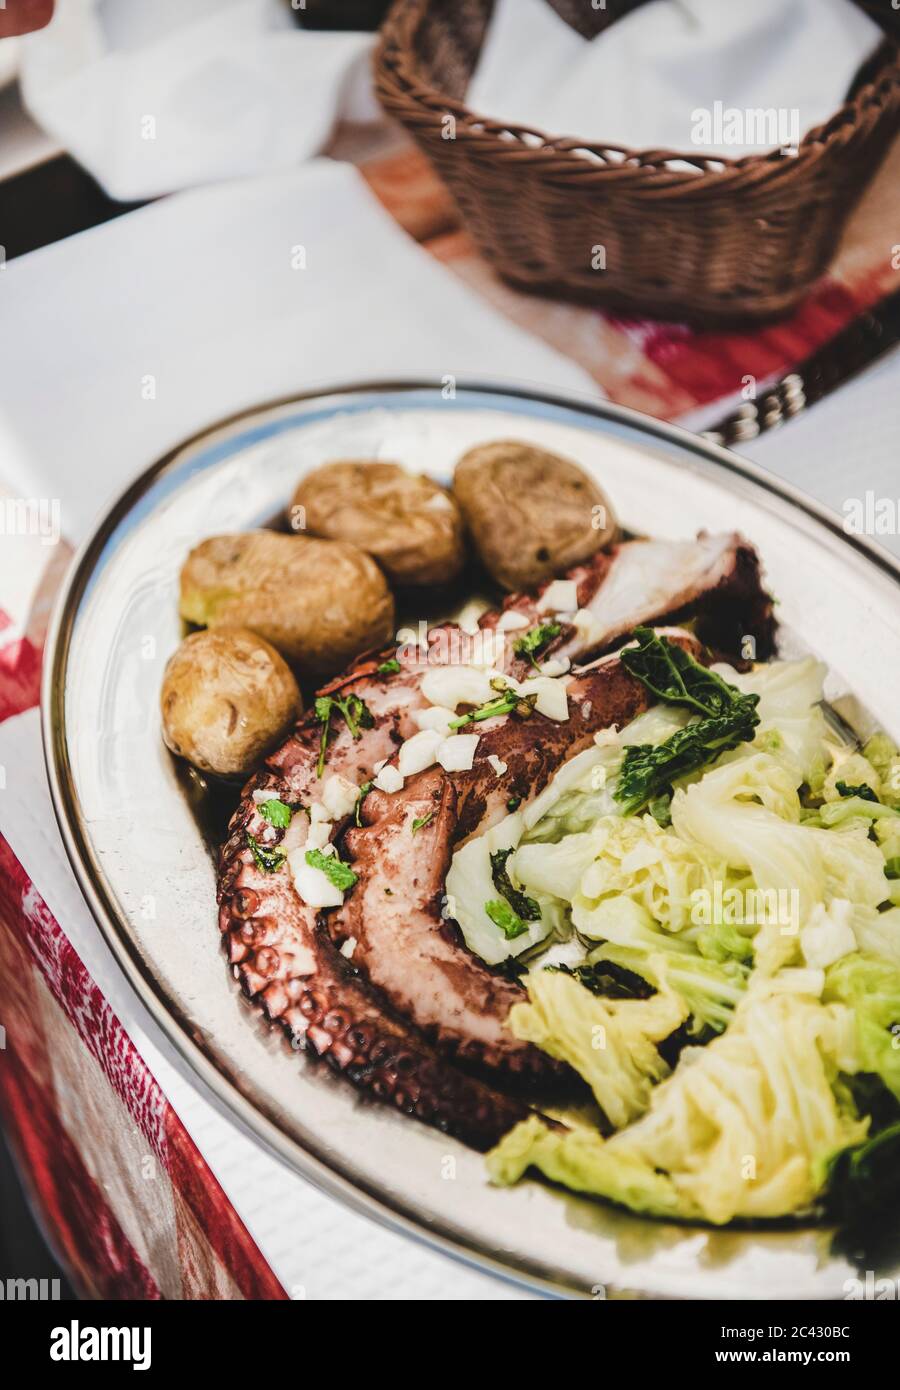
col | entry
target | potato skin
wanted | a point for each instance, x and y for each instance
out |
(320, 603)
(531, 513)
(409, 523)
(227, 698)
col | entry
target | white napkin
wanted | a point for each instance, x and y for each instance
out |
(122, 341)
(655, 77)
(200, 293)
(155, 98)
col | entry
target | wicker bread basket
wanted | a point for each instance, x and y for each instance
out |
(723, 242)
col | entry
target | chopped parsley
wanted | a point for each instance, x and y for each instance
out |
(534, 639)
(277, 813)
(514, 803)
(508, 702)
(334, 869)
(269, 860)
(363, 793)
(503, 916)
(421, 821)
(356, 714)
(388, 668)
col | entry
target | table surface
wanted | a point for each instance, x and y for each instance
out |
(667, 370)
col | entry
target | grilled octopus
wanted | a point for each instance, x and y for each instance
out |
(413, 1018)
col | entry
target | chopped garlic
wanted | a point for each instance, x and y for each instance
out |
(450, 686)
(511, 621)
(468, 616)
(556, 666)
(457, 754)
(419, 752)
(349, 947)
(314, 887)
(389, 779)
(588, 630)
(435, 717)
(295, 835)
(497, 764)
(339, 796)
(320, 830)
(259, 796)
(559, 597)
(552, 700)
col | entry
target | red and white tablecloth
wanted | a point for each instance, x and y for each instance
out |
(128, 1201)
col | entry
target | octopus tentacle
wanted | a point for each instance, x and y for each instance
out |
(403, 944)
(715, 579)
(352, 1013)
(285, 963)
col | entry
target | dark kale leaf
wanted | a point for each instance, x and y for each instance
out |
(526, 908)
(863, 791)
(727, 717)
(607, 979)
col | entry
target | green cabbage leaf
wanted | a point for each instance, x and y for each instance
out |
(611, 1043)
(744, 1127)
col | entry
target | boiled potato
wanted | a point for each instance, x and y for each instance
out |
(532, 514)
(320, 603)
(227, 698)
(410, 524)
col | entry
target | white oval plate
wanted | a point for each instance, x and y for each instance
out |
(147, 874)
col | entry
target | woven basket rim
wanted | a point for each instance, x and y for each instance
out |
(395, 59)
